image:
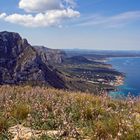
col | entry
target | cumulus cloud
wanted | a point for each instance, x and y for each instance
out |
(50, 18)
(47, 13)
(70, 3)
(39, 5)
(44, 5)
(2, 15)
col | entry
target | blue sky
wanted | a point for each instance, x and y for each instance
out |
(85, 24)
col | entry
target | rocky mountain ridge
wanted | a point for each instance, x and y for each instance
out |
(21, 63)
(50, 55)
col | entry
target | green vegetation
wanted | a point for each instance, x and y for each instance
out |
(73, 115)
(92, 73)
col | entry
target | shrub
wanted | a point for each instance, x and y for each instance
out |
(79, 115)
(20, 111)
(3, 124)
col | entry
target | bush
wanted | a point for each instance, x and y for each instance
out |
(20, 111)
(77, 114)
(3, 124)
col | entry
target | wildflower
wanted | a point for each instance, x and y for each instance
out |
(119, 134)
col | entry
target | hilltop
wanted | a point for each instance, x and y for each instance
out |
(50, 114)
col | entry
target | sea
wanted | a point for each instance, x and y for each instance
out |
(130, 66)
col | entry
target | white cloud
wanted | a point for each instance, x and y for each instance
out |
(39, 5)
(2, 15)
(70, 3)
(44, 5)
(110, 21)
(47, 13)
(50, 18)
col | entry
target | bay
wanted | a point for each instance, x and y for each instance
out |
(131, 68)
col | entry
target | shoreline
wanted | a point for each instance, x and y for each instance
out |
(119, 81)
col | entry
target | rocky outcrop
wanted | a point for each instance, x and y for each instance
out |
(19, 132)
(20, 63)
(50, 55)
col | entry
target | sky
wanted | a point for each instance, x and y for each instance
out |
(68, 24)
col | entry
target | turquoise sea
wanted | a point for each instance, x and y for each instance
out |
(131, 68)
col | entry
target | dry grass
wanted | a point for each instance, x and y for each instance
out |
(78, 115)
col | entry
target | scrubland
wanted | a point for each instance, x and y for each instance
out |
(73, 115)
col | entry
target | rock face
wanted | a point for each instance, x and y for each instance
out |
(50, 55)
(21, 63)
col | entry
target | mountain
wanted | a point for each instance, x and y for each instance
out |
(50, 55)
(21, 63)
(24, 64)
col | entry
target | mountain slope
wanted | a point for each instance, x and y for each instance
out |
(50, 55)
(20, 63)
(39, 112)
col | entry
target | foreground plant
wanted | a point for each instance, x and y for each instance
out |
(61, 115)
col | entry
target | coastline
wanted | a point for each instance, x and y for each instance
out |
(119, 81)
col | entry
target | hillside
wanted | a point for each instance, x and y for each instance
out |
(51, 56)
(20, 63)
(49, 114)
(24, 64)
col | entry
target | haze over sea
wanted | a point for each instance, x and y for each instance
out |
(131, 68)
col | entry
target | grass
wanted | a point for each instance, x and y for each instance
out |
(78, 115)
